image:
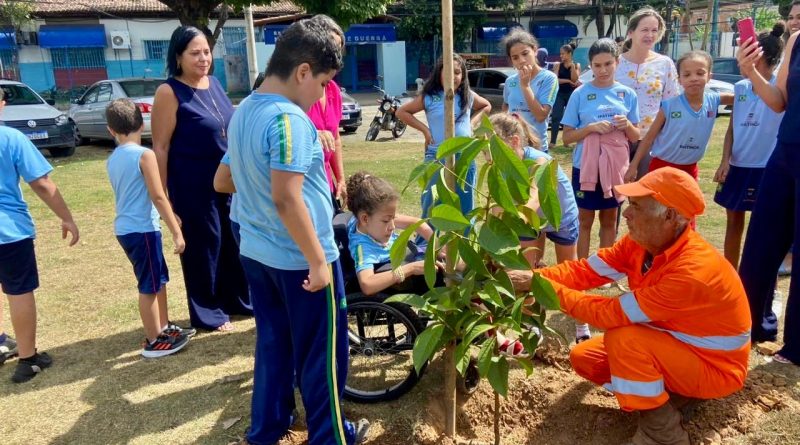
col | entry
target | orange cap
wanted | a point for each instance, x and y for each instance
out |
(672, 187)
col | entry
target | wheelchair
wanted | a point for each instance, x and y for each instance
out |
(381, 336)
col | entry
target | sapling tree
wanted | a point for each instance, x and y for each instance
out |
(479, 300)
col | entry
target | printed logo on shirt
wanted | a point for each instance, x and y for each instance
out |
(621, 94)
(690, 145)
(743, 98)
(512, 84)
(750, 121)
(711, 114)
(436, 99)
(579, 194)
(675, 115)
(591, 96)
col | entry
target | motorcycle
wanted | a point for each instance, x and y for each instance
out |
(385, 119)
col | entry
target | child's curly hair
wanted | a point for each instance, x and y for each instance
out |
(367, 193)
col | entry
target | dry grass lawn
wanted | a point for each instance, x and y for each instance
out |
(99, 390)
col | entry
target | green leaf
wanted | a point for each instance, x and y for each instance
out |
(485, 128)
(506, 286)
(532, 217)
(416, 173)
(544, 293)
(397, 253)
(465, 160)
(463, 353)
(547, 185)
(496, 237)
(430, 263)
(475, 331)
(453, 145)
(444, 194)
(512, 259)
(526, 363)
(518, 225)
(498, 189)
(426, 344)
(491, 295)
(413, 300)
(482, 173)
(472, 259)
(516, 310)
(447, 217)
(508, 161)
(488, 348)
(431, 169)
(498, 375)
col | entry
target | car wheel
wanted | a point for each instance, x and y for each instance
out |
(79, 140)
(62, 152)
(349, 129)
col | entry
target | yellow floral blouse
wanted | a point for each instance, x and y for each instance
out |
(654, 81)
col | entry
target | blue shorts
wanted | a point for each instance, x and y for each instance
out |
(591, 200)
(738, 192)
(566, 235)
(145, 253)
(18, 272)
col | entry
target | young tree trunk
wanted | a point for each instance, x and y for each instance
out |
(496, 418)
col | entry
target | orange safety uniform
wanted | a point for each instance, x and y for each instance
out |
(684, 327)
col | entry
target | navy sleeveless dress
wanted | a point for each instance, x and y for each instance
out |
(774, 225)
(215, 282)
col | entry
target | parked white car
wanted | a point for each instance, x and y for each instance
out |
(89, 111)
(47, 127)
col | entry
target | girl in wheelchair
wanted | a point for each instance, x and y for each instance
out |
(371, 234)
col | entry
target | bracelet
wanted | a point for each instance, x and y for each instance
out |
(399, 274)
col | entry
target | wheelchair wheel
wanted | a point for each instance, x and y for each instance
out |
(381, 340)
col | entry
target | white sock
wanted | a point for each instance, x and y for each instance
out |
(582, 330)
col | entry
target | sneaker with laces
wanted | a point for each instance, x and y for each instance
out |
(164, 345)
(8, 349)
(27, 368)
(174, 330)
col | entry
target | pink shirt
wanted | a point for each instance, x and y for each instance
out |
(328, 119)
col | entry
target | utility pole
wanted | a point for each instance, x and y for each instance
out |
(715, 30)
(252, 59)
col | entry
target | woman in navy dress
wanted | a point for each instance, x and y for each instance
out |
(775, 221)
(189, 122)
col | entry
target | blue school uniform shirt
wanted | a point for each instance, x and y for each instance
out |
(226, 160)
(19, 158)
(589, 104)
(545, 88)
(566, 196)
(755, 127)
(367, 252)
(434, 113)
(135, 210)
(684, 137)
(268, 132)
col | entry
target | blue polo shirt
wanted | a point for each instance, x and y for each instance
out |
(268, 132)
(684, 137)
(545, 88)
(135, 210)
(589, 104)
(434, 113)
(755, 127)
(365, 250)
(19, 158)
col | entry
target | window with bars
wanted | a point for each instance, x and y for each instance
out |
(66, 58)
(156, 49)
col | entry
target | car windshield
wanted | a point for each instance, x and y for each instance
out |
(141, 88)
(19, 95)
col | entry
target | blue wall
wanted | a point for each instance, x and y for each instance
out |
(39, 75)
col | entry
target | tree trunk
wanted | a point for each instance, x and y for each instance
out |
(496, 418)
(708, 24)
(614, 12)
(197, 13)
(599, 19)
(667, 33)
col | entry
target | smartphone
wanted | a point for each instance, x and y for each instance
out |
(746, 30)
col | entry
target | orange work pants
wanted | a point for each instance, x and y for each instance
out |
(640, 364)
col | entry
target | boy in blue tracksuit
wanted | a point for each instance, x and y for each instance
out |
(287, 246)
(19, 277)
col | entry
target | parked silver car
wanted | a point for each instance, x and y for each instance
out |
(47, 127)
(88, 112)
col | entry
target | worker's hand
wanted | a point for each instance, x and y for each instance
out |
(327, 140)
(318, 278)
(71, 228)
(602, 127)
(722, 172)
(630, 175)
